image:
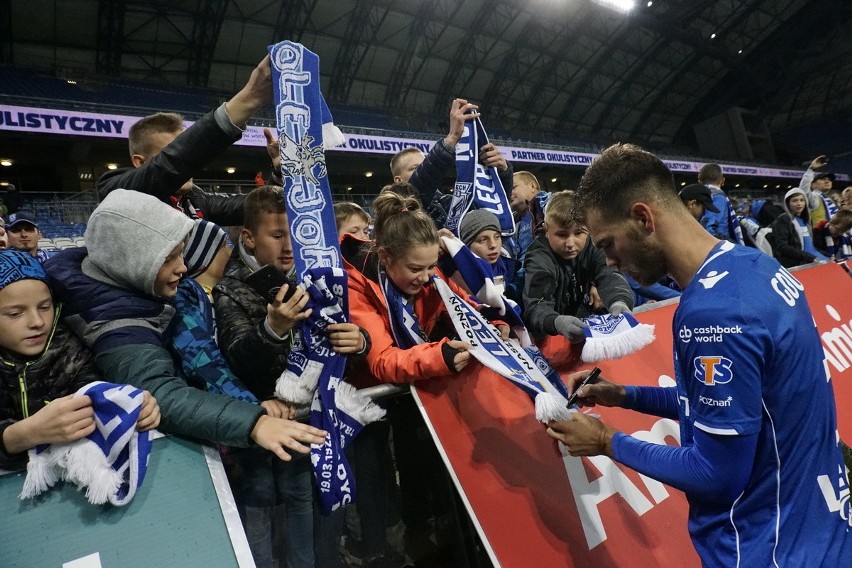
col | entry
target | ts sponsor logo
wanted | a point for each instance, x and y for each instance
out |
(710, 334)
(713, 370)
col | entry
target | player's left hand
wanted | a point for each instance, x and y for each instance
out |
(583, 435)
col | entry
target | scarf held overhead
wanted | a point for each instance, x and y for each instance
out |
(314, 372)
(477, 184)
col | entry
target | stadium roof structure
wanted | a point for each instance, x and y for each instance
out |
(546, 66)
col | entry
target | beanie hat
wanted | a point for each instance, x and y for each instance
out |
(128, 238)
(476, 221)
(18, 265)
(204, 242)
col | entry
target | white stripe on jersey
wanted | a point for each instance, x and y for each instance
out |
(718, 431)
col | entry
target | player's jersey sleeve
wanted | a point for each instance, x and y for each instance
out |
(722, 345)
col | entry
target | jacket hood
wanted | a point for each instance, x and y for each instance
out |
(128, 238)
(791, 193)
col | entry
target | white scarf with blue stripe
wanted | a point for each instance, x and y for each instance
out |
(518, 360)
(110, 463)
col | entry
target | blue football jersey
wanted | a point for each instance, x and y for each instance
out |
(748, 360)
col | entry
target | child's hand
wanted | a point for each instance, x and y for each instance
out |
(280, 436)
(462, 358)
(283, 316)
(149, 414)
(504, 331)
(595, 302)
(346, 338)
(64, 420)
(444, 232)
(571, 328)
(618, 308)
(490, 156)
(279, 409)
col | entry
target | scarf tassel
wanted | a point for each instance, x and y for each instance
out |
(550, 406)
(82, 463)
(361, 408)
(332, 136)
(88, 467)
(617, 345)
(299, 389)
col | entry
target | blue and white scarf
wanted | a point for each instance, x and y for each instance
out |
(611, 337)
(506, 357)
(476, 184)
(305, 128)
(403, 321)
(830, 207)
(110, 462)
(840, 250)
(735, 231)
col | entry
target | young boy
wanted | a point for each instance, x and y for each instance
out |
(256, 336)
(480, 232)
(351, 219)
(828, 235)
(117, 298)
(561, 266)
(194, 334)
(42, 362)
(792, 233)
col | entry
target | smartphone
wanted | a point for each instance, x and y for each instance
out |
(268, 280)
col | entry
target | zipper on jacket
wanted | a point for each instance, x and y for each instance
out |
(22, 387)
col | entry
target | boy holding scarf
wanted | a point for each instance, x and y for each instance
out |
(561, 267)
(43, 362)
(256, 337)
(426, 172)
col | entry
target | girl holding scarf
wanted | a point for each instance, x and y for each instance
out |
(391, 295)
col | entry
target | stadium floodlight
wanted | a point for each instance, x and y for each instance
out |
(623, 6)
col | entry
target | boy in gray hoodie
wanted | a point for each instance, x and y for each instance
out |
(117, 294)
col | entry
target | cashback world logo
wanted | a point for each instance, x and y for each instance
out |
(709, 334)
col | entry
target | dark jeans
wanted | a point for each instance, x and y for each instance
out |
(265, 482)
(376, 481)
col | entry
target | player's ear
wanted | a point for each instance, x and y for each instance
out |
(643, 216)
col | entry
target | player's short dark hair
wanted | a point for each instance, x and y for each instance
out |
(622, 175)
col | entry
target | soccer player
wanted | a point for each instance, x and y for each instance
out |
(759, 459)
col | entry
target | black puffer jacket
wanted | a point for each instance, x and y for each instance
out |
(164, 174)
(554, 286)
(26, 385)
(254, 354)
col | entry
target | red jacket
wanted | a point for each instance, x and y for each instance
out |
(385, 362)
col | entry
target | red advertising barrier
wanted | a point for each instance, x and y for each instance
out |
(535, 506)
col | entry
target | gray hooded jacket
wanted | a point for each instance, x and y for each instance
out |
(110, 305)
